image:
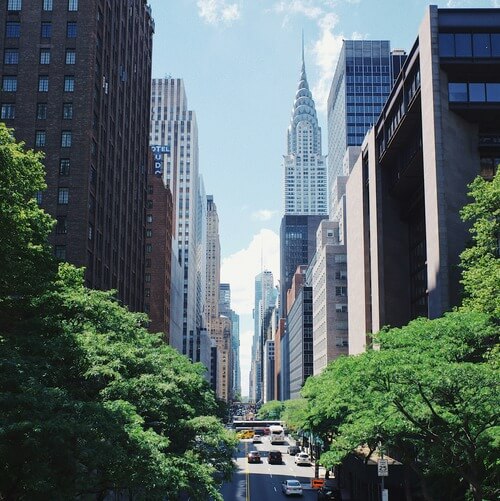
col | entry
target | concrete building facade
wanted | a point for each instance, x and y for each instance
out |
(438, 130)
(328, 276)
(174, 125)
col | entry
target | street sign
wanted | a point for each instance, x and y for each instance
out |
(383, 468)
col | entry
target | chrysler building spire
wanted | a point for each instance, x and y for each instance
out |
(305, 166)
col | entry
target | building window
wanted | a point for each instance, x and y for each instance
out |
(91, 232)
(66, 139)
(70, 56)
(147, 292)
(63, 196)
(43, 84)
(149, 218)
(69, 84)
(40, 138)
(13, 29)
(72, 5)
(39, 197)
(149, 248)
(341, 291)
(41, 111)
(46, 30)
(71, 30)
(44, 56)
(340, 258)
(9, 84)
(147, 278)
(61, 226)
(149, 233)
(14, 5)
(8, 111)
(11, 56)
(47, 5)
(60, 252)
(64, 167)
(67, 111)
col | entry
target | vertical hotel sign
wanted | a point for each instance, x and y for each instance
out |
(158, 152)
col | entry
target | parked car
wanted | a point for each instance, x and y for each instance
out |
(293, 449)
(274, 457)
(291, 486)
(302, 458)
(253, 457)
(329, 494)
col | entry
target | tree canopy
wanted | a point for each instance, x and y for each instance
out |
(90, 401)
(270, 410)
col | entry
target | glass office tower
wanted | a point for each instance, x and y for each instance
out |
(363, 79)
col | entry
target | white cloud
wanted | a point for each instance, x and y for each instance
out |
(217, 11)
(239, 269)
(307, 8)
(263, 215)
(326, 52)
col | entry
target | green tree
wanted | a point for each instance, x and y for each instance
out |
(90, 401)
(295, 414)
(270, 410)
(25, 258)
(481, 262)
(430, 394)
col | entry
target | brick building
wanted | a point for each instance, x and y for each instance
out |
(75, 85)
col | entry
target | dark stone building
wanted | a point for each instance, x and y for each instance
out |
(75, 85)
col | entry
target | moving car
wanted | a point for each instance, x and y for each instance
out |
(257, 439)
(291, 486)
(274, 457)
(327, 493)
(253, 457)
(302, 458)
(276, 434)
(293, 449)
(244, 434)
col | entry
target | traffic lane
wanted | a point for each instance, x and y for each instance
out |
(262, 481)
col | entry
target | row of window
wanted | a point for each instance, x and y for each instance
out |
(9, 83)
(8, 111)
(11, 56)
(41, 138)
(47, 5)
(13, 29)
(469, 45)
(474, 92)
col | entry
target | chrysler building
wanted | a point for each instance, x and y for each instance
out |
(305, 166)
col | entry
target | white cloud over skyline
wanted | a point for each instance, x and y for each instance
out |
(218, 11)
(239, 269)
(263, 215)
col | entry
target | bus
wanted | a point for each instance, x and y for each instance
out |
(276, 434)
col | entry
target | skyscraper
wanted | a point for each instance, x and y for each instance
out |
(69, 93)
(174, 125)
(363, 79)
(218, 327)
(305, 166)
(265, 297)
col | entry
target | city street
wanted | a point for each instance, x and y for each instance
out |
(262, 481)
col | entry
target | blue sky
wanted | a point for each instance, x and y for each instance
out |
(240, 61)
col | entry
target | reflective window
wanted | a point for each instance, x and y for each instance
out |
(11, 56)
(493, 92)
(457, 92)
(46, 30)
(481, 45)
(14, 5)
(41, 111)
(9, 84)
(13, 29)
(495, 44)
(71, 30)
(43, 84)
(47, 5)
(463, 45)
(477, 92)
(446, 45)
(44, 56)
(8, 111)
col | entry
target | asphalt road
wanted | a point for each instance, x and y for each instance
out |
(262, 481)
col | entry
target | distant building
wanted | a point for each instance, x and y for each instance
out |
(268, 383)
(68, 92)
(299, 332)
(305, 166)
(218, 327)
(174, 125)
(328, 276)
(438, 130)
